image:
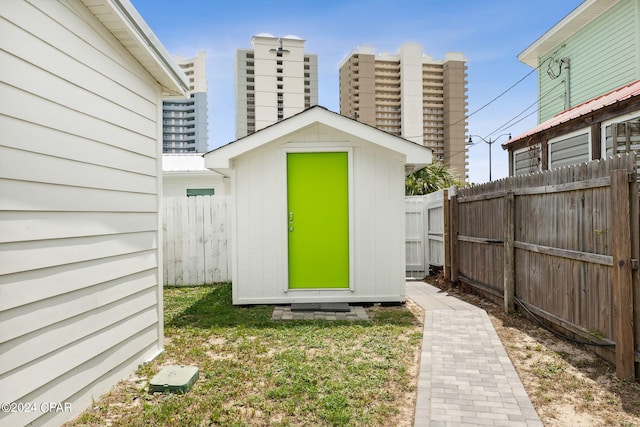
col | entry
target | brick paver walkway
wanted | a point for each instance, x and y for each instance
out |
(466, 377)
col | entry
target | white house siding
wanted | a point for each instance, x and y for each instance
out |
(259, 191)
(80, 293)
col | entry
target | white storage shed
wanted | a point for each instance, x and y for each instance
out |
(318, 210)
(184, 175)
(81, 84)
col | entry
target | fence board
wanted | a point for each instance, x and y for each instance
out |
(208, 240)
(622, 286)
(436, 228)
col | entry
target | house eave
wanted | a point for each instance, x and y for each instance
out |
(582, 15)
(125, 23)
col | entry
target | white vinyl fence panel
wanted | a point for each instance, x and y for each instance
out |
(415, 235)
(197, 247)
(424, 233)
(435, 228)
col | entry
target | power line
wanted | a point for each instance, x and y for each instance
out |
(503, 93)
(549, 59)
(484, 106)
(503, 126)
(451, 155)
(495, 98)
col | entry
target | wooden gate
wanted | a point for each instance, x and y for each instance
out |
(196, 248)
(425, 232)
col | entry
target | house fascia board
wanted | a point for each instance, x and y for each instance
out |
(221, 159)
(120, 16)
(569, 25)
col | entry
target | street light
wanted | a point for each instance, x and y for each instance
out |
(490, 142)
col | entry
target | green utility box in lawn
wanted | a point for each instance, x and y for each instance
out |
(174, 379)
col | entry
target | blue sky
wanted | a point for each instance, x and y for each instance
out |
(490, 33)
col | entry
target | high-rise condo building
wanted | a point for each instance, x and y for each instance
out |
(409, 94)
(184, 121)
(274, 80)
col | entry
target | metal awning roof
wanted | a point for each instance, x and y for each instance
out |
(625, 92)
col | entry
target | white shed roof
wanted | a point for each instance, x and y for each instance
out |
(126, 24)
(220, 159)
(185, 163)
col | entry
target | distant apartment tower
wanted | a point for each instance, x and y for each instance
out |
(411, 95)
(184, 121)
(274, 80)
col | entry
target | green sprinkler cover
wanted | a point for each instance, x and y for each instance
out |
(174, 379)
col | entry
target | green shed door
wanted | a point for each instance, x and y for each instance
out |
(318, 220)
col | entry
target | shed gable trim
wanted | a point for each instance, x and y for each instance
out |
(222, 157)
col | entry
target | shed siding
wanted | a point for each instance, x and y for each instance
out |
(79, 276)
(380, 224)
(177, 185)
(601, 59)
(259, 189)
(259, 206)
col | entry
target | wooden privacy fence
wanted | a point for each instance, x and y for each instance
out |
(196, 240)
(563, 245)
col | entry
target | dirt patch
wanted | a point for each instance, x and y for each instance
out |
(567, 384)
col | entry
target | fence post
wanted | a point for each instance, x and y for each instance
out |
(622, 274)
(446, 271)
(509, 252)
(453, 238)
(635, 254)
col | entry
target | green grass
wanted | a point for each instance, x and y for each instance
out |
(255, 371)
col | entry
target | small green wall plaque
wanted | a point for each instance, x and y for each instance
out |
(174, 379)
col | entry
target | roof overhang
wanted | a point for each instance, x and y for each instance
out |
(569, 25)
(208, 173)
(221, 159)
(126, 25)
(186, 164)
